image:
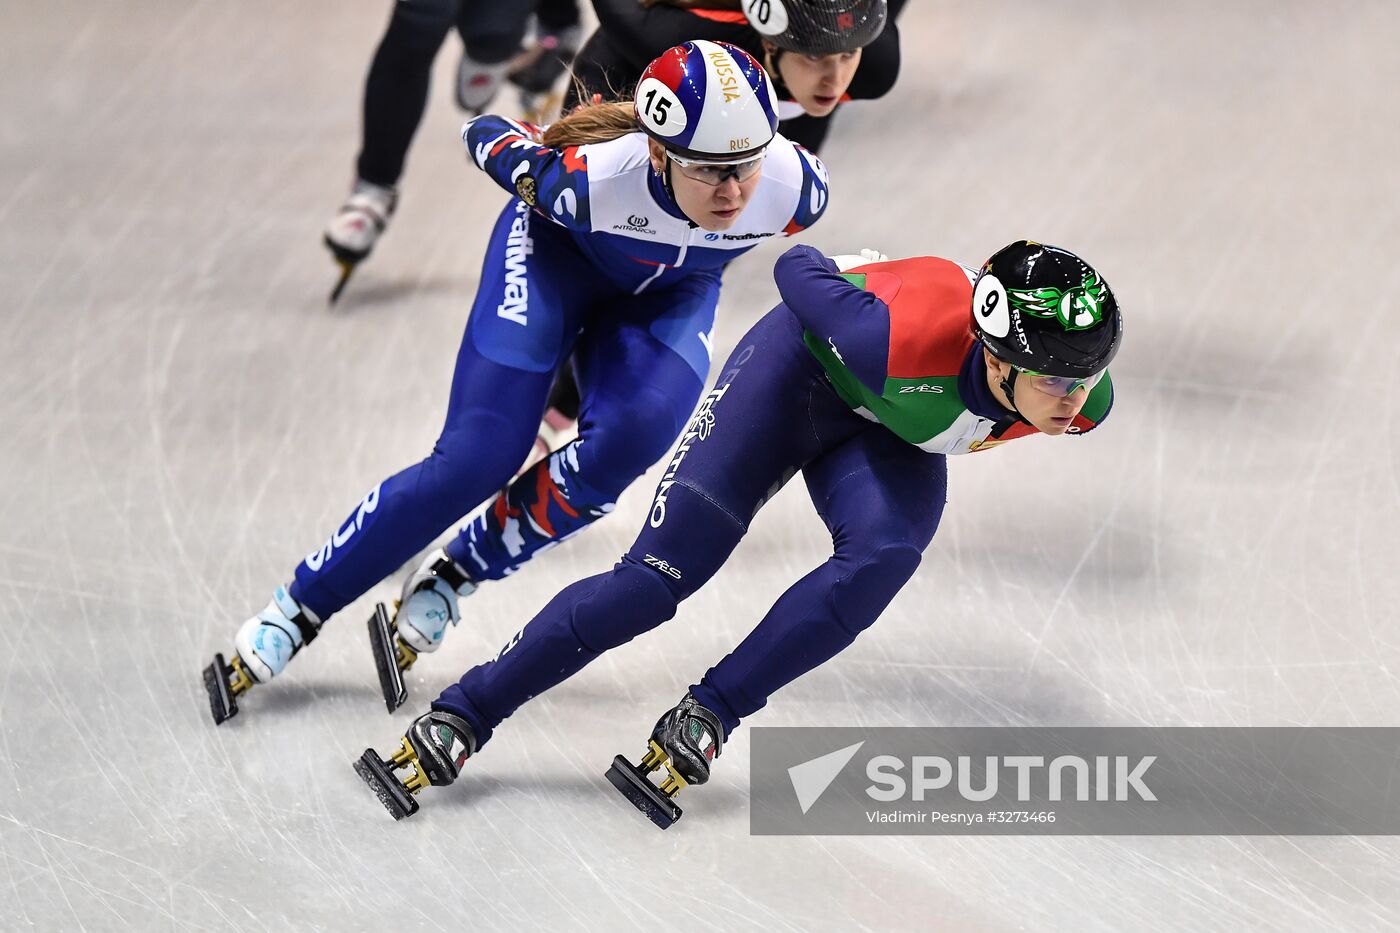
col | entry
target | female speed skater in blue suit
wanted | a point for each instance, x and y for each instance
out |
(863, 382)
(624, 218)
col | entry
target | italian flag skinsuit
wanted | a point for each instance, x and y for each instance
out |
(896, 340)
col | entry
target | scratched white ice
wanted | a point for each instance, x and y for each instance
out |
(182, 418)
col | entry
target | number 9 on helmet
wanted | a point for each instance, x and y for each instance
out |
(1044, 310)
(708, 100)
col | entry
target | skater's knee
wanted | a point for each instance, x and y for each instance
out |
(627, 602)
(628, 436)
(475, 456)
(869, 586)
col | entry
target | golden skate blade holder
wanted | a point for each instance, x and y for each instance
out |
(381, 775)
(225, 682)
(634, 783)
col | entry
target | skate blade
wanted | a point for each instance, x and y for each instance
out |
(347, 269)
(632, 783)
(390, 791)
(386, 661)
(221, 702)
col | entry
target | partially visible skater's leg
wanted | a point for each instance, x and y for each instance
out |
(637, 393)
(882, 499)
(600, 612)
(579, 624)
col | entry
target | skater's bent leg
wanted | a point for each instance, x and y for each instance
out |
(637, 394)
(882, 500)
(408, 510)
(664, 566)
(396, 90)
(504, 368)
(748, 435)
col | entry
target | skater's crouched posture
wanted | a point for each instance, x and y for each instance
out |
(625, 218)
(863, 382)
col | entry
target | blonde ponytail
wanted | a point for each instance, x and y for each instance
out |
(594, 123)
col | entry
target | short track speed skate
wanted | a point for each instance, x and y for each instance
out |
(262, 647)
(432, 753)
(356, 227)
(684, 742)
(416, 622)
(537, 70)
(225, 683)
(391, 656)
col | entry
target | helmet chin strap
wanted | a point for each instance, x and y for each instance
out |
(666, 181)
(770, 62)
(671, 191)
(1008, 387)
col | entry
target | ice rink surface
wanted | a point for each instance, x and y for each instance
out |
(183, 418)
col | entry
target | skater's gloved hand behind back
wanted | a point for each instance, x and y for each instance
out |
(864, 257)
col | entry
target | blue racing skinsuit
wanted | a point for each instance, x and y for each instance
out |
(594, 258)
(783, 404)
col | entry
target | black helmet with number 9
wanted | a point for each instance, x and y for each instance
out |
(817, 27)
(1044, 310)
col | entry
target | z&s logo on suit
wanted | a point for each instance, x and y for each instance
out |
(637, 223)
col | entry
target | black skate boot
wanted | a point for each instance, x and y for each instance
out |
(537, 71)
(417, 623)
(685, 741)
(435, 748)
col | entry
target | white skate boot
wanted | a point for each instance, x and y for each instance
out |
(427, 606)
(357, 226)
(263, 646)
(477, 83)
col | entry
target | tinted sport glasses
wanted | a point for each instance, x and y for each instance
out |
(715, 173)
(1060, 386)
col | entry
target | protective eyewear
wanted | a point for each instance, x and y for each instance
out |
(714, 173)
(1060, 386)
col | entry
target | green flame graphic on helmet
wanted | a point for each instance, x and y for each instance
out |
(1077, 308)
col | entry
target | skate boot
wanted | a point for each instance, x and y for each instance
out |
(357, 226)
(262, 648)
(421, 615)
(685, 741)
(477, 83)
(538, 69)
(433, 751)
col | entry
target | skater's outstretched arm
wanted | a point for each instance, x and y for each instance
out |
(552, 181)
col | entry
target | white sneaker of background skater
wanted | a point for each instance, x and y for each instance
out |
(477, 83)
(357, 226)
